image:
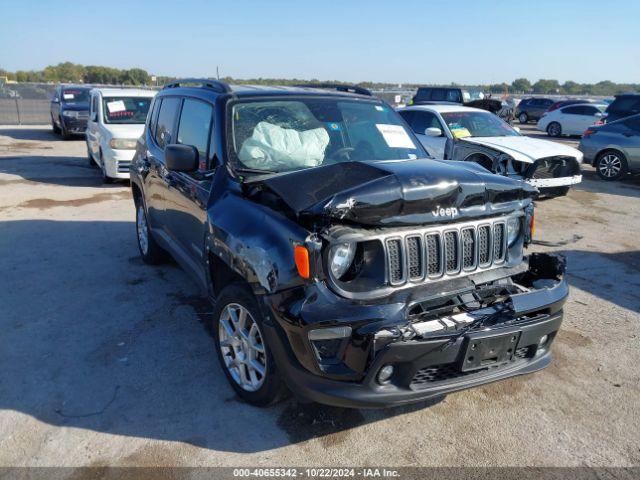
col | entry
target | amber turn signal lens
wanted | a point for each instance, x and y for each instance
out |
(301, 255)
(533, 225)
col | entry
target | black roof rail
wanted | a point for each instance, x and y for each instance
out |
(339, 87)
(216, 85)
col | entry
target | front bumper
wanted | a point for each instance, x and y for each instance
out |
(554, 182)
(424, 366)
(117, 162)
(74, 125)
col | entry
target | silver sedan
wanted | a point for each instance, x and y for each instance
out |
(613, 148)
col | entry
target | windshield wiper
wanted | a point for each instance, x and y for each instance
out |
(253, 170)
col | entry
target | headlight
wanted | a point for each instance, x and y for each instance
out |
(513, 230)
(123, 143)
(71, 113)
(340, 258)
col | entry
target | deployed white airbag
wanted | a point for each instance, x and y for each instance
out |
(272, 147)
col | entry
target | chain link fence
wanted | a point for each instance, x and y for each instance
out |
(25, 103)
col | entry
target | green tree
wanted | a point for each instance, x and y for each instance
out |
(521, 85)
(546, 86)
(572, 88)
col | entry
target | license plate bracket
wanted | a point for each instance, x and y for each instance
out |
(482, 350)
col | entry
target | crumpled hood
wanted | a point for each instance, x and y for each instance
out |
(525, 149)
(407, 192)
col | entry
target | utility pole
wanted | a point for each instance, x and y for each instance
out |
(217, 73)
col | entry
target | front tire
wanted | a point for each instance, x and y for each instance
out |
(611, 165)
(150, 251)
(554, 129)
(242, 349)
(523, 117)
(106, 179)
(54, 127)
(64, 132)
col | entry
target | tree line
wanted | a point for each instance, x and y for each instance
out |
(68, 72)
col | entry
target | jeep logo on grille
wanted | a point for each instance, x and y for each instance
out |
(445, 212)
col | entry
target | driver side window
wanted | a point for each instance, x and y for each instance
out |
(423, 120)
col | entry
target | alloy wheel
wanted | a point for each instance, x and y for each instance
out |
(143, 230)
(554, 130)
(610, 165)
(242, 347)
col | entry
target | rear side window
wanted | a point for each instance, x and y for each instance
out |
(624, 104)
(438, 94)
(453, 95)
(194, 126)
(153, 116)
(166, 121)
(423, 120)
(573, 110)
(423, 94)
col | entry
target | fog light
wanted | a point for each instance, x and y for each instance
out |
(543, 340)
(385, 374)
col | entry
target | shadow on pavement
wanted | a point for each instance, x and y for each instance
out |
(36, 134)
(614, 277)
(63, 171)
(95, 339)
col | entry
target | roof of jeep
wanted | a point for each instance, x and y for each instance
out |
(262, 90)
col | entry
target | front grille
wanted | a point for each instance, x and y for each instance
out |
(484, 244)
(394, 257)
(414, 257)
(433, 254)
(447, 251)
(123, 166)
(553, 167)
(451, 252)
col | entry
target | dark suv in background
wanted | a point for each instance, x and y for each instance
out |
(343, 263)
(70, 109)
(441, 94)
(623, 106)
(532, 109)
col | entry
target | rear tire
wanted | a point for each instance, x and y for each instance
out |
(242, 350)
(523, 117)
(611, 165)
(554, 129)
(150, 251)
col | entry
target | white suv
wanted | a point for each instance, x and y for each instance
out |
(116, 121)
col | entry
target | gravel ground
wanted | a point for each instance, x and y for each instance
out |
(105, 360)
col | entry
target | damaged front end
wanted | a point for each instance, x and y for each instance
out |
(423, 343)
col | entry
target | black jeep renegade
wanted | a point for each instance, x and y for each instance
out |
(344, 264)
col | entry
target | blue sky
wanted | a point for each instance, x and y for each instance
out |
(426, 41)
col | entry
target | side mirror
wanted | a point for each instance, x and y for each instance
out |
(517, 129)
(433, 132)
(598, 115)
(181, 158)
(94, 117)
(55, 100)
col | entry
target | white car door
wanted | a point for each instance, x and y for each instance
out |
(589, 116)
(92, 125)
(420, 120)
(569, 119)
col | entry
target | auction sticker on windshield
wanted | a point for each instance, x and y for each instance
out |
(116, 106)
(395, 136)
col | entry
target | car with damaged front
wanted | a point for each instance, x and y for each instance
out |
(454, 132)
(344, 264)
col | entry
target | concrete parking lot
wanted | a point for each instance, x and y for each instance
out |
(105, 361)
